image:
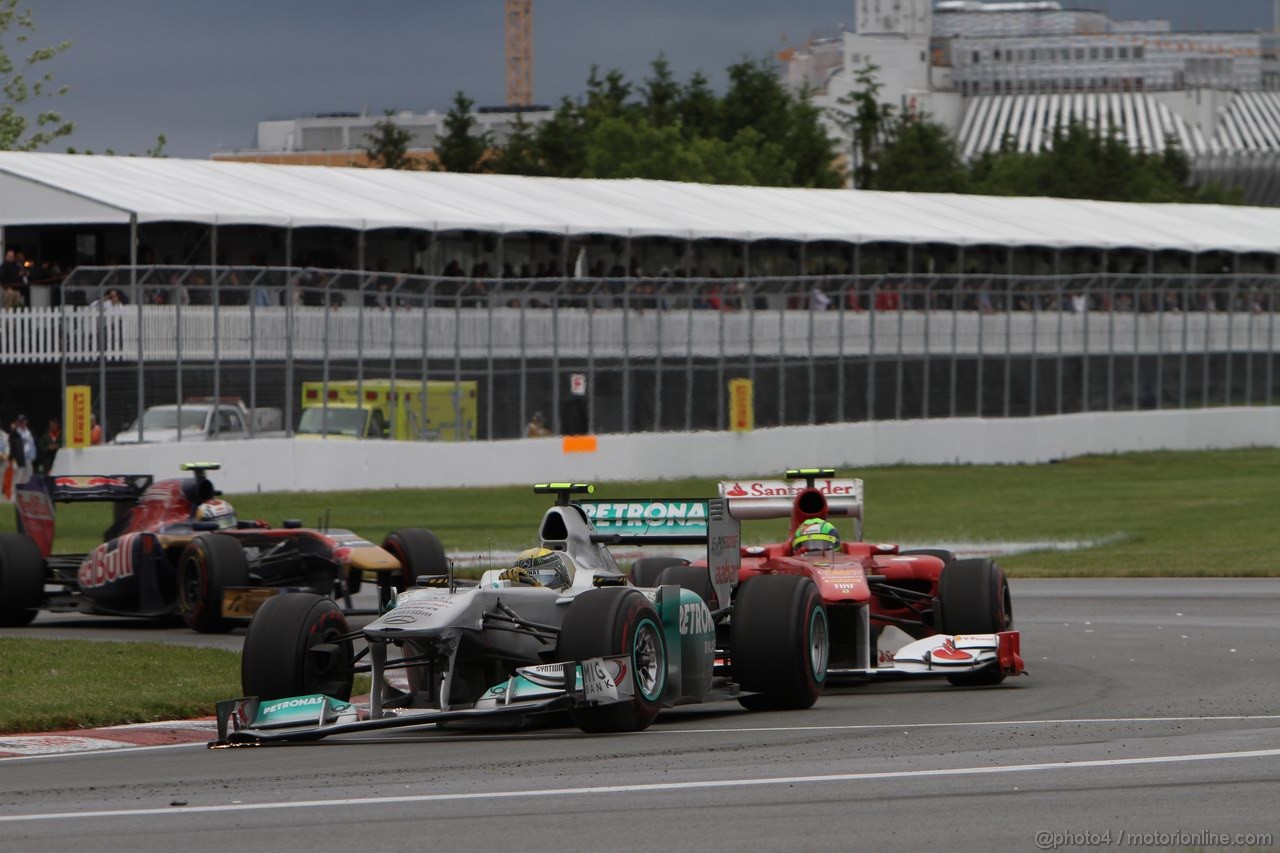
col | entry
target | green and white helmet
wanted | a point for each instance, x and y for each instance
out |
(816, 534)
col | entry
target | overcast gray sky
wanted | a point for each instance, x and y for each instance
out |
(205, 72)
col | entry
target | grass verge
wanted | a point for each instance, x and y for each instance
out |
(51, 685)
(1162, 514)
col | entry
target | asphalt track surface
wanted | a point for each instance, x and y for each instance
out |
(1151, 709)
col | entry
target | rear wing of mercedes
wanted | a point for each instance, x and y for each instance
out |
(750, 500)
(672, 521)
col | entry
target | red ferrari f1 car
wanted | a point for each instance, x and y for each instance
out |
(955, 616)
(175, 549)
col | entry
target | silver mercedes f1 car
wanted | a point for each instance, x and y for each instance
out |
(582, 639)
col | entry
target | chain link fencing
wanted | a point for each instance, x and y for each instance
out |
(436, 358)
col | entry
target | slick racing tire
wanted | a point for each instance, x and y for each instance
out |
(419, 552)
(974, 598)
(696, 579)
(779, 642)
(21, 580)
(645, 571)
(207, 566)
(616, 621)
(298, 644)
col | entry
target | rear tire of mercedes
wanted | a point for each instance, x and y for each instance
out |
(21, 580)
(645, 571)
(696, 579)
(419, 552)
(295, 647)
(779, 642)
(610, 622)
(974, 596)
(207, 566)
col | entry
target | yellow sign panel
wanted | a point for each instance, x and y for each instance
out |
(742, 409)
(79, 407)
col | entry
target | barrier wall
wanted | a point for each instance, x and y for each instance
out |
(275, 465)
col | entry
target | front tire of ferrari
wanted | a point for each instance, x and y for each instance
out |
(610, 622)
(780, 642)
(296, 647)
(645, 571)
(21, 580)
(207, 566)
(419, 551)
(974, 596)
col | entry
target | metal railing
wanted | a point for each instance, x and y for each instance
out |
(623, 354)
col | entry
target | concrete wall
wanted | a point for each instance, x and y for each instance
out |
(273, 465)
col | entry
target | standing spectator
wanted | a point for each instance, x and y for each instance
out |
(6, 470)
(11, 279)
(818, 299)
(537, 427)
(22, 449)
(95, 430)
(49, 444)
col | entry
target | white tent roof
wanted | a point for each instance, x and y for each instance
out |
(38, 189)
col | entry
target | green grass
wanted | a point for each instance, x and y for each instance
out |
(51, 685)
(1165, 514)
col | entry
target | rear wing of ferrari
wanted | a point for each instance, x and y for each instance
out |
(750, 500)
(673, 521)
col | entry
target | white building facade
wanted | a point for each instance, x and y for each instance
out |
(1009, 73)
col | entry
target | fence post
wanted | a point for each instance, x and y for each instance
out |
(1231, 341)
(290, 297)
(362, 281)
(871, 350)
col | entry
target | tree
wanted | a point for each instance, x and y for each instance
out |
(25, 87)
(920, 157)
(758, 133)
(388, 145)
(461, 149)
(520, 155)
(865, 120)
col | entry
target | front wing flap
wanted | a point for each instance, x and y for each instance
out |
(947, 654)
(532, 690)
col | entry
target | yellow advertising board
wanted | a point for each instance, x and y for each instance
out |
(742, 409)
(79, 406)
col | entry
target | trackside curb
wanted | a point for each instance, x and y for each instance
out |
(165, 733)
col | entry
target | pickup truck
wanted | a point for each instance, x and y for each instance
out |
(202, 420)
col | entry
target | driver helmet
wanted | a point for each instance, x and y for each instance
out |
(218, 512)
(815, 535)
(541, 567)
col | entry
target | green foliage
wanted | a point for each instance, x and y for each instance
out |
(52, 685)
(25, 88)
(462, 149)
(387, 145)
(1078, 162)
(866, 122)
(759, 133)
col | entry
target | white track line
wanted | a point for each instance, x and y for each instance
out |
(654, 788)
(459, 736)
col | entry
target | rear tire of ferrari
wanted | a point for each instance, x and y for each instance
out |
(645, 571)
(21, 580)
(207, 566)
(779, 642)
(419, 552)
(295, 647)
(974, 596)
(609, 622)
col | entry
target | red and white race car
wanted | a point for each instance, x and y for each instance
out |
(890, 612)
